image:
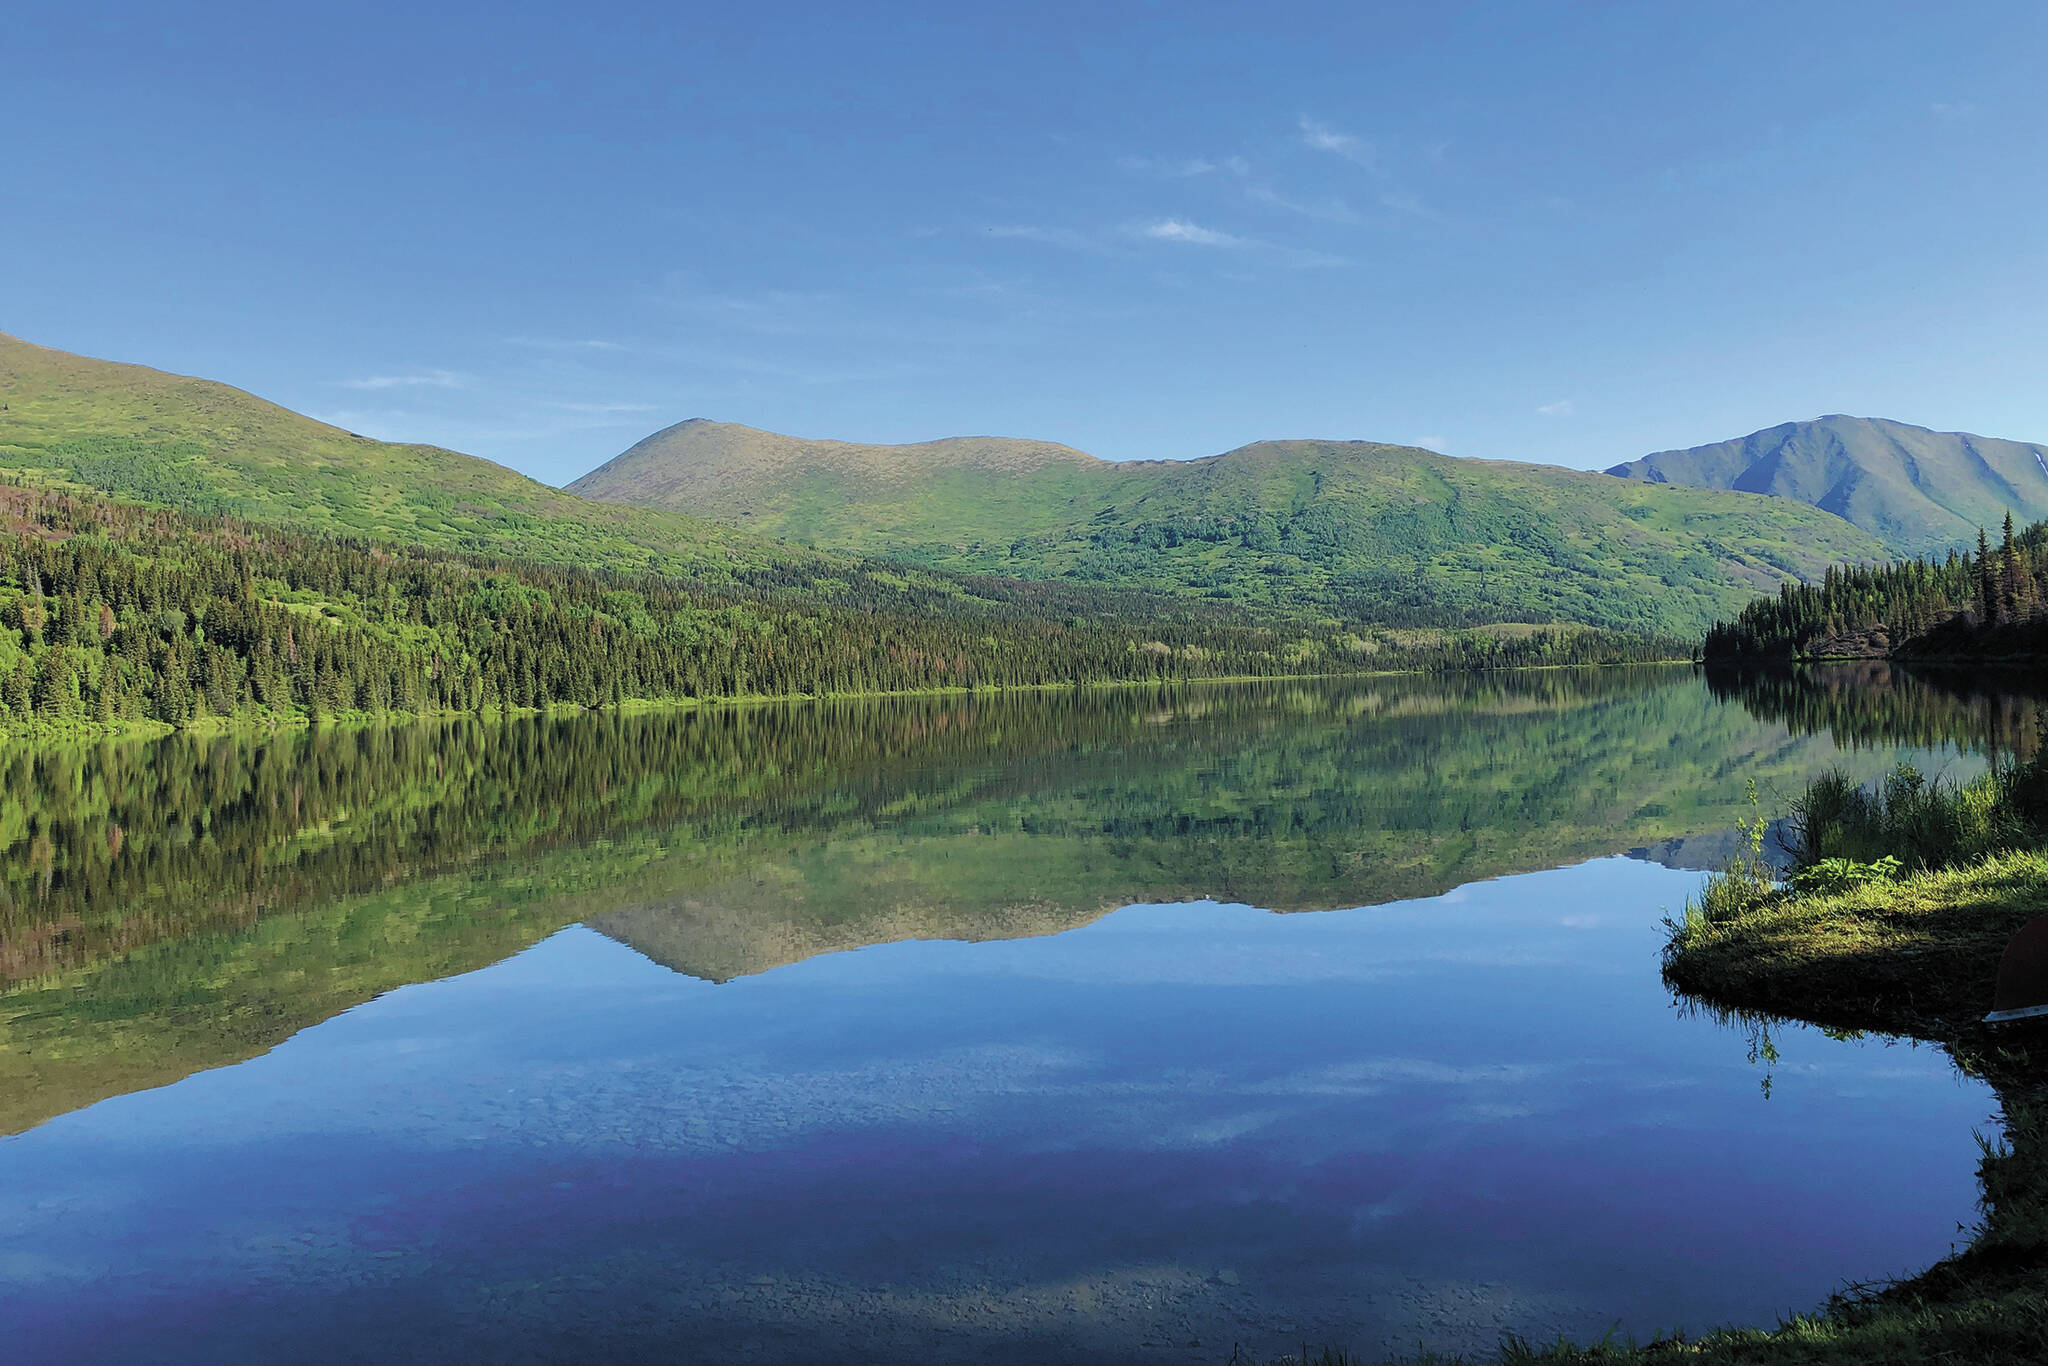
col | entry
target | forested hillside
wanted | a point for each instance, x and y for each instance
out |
(1374, 533)
(110, 612)
(1921, 492)
(1990, 603)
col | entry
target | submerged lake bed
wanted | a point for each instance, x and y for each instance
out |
(1118, 1027)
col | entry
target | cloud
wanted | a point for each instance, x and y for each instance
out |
(767, 312)
(1323, 138)
(1051, 237)
(1402, 202)
(1180, 230)
(1328, 211)
(1186, 168)
(1564, 407)
(564, 344)
(1194, 234)
(426, 379)
(1433, 443)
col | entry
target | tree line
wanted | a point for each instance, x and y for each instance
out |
(1990, 602)
(111, 612)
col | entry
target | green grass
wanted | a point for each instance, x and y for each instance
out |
(191, 444)
(1918, 954)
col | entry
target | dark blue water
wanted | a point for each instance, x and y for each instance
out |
(1164, 1133)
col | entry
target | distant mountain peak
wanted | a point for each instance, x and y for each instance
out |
(1921, 491)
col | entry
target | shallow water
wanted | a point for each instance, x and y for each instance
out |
(725, 1078)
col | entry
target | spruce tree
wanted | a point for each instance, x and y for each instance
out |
(18, 690)
(1987, 581)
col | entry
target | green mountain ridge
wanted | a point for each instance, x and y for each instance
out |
(1919, 491)
(205, 448)
(140, 435)
(1391, 535)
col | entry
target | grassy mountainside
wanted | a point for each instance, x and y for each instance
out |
(1384, 534)
(205, 448)
(1921, 492)
(69, 423)
(198, 446)
(735, 466)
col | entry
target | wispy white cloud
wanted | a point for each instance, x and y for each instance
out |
(565, 343)
(1186, 168)
(1433, 443)
(767, 312)
(1181, 230)
(1051, 237)
(1404, 203)
(424, 379)
(1324, 211)
(1323, 138)
(1564, 407)
(523, 424)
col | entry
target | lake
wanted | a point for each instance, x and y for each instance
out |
(1106, 1025)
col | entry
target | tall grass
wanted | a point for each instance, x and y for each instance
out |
(1842, 833)
(1924, 823)
(1744, 883)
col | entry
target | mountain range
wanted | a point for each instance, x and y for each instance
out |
(1392, 535)
(196, 446)
(1371, 534)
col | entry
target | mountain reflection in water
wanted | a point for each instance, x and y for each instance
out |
(1133, 1118)
(180, 904)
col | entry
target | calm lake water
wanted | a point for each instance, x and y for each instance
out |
(1108, 1026)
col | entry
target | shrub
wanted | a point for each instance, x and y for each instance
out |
(1840, 874)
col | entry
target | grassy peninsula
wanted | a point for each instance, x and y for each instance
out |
(1892, 920)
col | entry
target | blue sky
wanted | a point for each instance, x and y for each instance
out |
(1565, 233)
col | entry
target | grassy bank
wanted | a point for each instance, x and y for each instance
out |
(1905, 942)
(1913, 955)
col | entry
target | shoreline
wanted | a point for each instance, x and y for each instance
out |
(45, 736)
(1916, 958)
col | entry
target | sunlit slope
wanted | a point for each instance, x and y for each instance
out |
(1388, 534)
(192, 444)
(1919, 491)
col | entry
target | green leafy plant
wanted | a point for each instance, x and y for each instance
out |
(1839, 874)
